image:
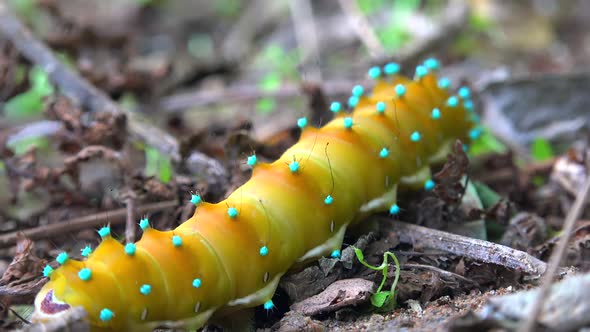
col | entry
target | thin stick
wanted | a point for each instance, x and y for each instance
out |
(80, 90)
(306, 35)
(475, 249)
(363, 29)
(556, 257)
(130, 220)
(95, 220)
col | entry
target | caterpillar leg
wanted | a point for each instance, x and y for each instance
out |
(420, 179)
(379, 204)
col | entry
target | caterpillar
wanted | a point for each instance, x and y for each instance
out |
(231, 254)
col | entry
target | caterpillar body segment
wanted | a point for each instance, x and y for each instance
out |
(231, 254)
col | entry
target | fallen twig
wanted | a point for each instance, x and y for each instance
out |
(80, 90)
(556, 257)
(182, 101)
(95, 220)
(442, 272)
(362, 28)
(479, 250)
(306, 35)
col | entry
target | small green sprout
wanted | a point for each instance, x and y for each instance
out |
(382, 299)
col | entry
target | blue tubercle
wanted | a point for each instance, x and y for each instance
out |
(195, 199)
(294, 166)
(394, 209)
(86, 251)
(464, 92)
(348, 122)
(335, 254)
(328, 200)
(62, 258)
(391, 68)
(263, 251)
(475, 133)
(145, 289)
(400, 90)
(197, 283)
(47, 271)
(104, 232)
(468, 104)
(232, 212)
(421, 71)
(268, 305)
(432, 64)
(85, 274)
(380, 106)
(465, 147)
(144, 223)
(453, 101)
(415, 137)
(444, 83)
(251, 160)
(335, 107)
(435, 114)
(176, 241)
(384, 153)
(130, 249)
(106, 315)
(353, 101)
(374, 72)
(302, 122)
(429, 185)
(358, 90)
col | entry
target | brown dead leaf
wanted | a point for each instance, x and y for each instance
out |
(22, 281)
(448, 181)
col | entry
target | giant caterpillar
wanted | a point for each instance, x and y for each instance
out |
(231, 254)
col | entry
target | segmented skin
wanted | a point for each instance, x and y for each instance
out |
(232, 254)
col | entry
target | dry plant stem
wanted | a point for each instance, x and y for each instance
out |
(130, 222)
(475, 249)
(95, 220)
(306, 35)
(257, 17)
(241, 93)
(77, 88)
(362, 27)
(556, 257)
(442, 272)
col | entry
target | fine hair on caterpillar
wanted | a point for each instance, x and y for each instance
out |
(232, 254)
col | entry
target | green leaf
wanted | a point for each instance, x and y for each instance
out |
(165, 169)
(541, 149)
(23, 145)
(369, 7)
(157, 165)
(270, 82)
(23, 106)
(487, 196)
(228, 8)
(379, 299)
(266, 105)
(30, 103)
(359, 254)
(486, 143)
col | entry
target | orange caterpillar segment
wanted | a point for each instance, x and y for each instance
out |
(231, 254)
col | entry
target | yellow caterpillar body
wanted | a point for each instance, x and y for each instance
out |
(233, 253)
